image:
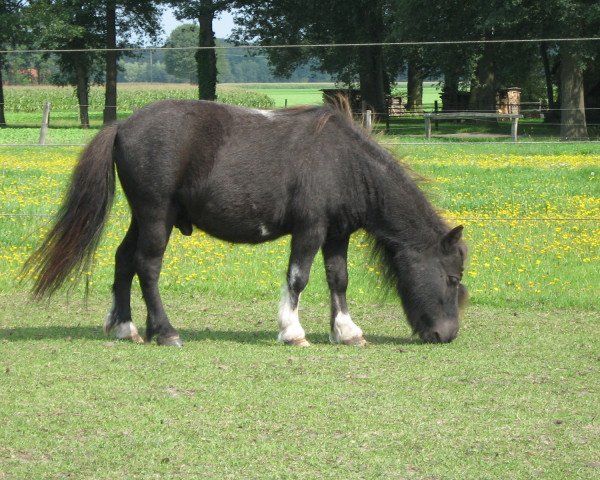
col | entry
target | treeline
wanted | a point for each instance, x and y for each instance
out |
(237, 68)
(475, 55)
(160, 66)
(234, 65)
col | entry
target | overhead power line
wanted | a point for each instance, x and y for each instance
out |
(317, 45)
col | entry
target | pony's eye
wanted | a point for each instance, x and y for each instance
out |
(452, 280)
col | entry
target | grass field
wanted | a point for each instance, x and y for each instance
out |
(291, 94)
(515, 396)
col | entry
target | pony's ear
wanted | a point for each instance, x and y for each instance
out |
(451, 239)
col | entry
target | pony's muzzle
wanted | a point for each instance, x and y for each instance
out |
(443, 332)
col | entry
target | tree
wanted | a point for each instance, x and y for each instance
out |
(181, 63)
(304, 23)
(564, 19)
(204, 11)
(10, 12)
(572, 122)
(121, 20)
(78, 27)
(582, 16)
(75, 27)
(112, 57)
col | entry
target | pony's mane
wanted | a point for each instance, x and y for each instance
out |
(338, 106)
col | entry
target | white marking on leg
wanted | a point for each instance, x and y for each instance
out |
(344, 329)
(122, 331)
(290, 329)
(294, 273)
(108, 325)
(126, 330)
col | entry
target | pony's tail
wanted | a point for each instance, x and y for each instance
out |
(69, 247)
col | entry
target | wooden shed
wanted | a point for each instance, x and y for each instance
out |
(508, 100)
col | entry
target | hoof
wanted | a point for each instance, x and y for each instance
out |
(137, 338)
(298, 342)
(355, 342)
(171, 341)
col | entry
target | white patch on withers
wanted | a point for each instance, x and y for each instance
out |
(344, 329)
(264, 113)
(290, 330)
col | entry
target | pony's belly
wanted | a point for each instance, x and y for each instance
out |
(235, 212)
(238, 229)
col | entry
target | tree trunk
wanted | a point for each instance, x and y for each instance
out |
(110, 97)
(548, 75)
(572, 118)
(206, 58)
(371, 62)
(372, 79)
(553, 115)
(450, 102)
(415, 87)
(83, 89)
(2, 118)
(483, 86)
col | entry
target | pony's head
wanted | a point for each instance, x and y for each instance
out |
(429, 284)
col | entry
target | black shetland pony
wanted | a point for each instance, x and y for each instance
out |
(251, 176)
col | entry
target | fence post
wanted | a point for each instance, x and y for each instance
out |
(427, 126)
(368, 120)
(435, 109)
(513, 129)
(45, 121)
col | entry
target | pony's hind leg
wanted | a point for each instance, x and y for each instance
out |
(118, 319)
(305, 245)
(343, 329)
(151, 245)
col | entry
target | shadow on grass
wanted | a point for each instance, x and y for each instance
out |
(26, 334)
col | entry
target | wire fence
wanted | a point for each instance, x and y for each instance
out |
(539, 124)
(406, 127)
(316, 45)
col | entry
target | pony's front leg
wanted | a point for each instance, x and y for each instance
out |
(304, 248)
(343, 329)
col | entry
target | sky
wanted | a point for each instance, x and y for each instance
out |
(222, 25)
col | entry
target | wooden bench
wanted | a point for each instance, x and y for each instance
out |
(513, 117)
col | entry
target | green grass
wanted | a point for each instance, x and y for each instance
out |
(529, 262)
(515, 396)
(291, 94)
(294, 94)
